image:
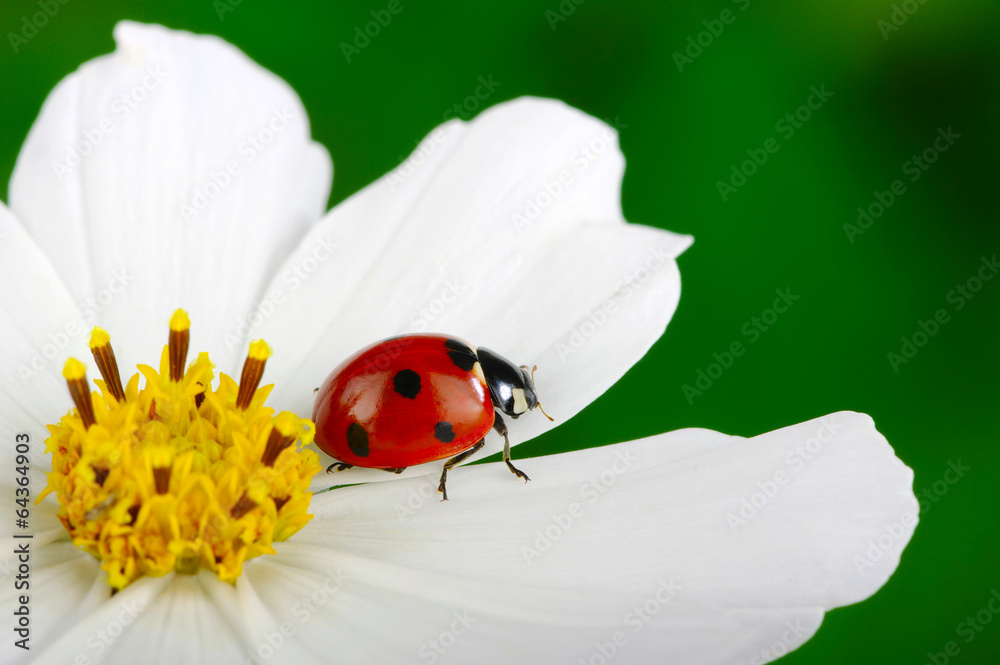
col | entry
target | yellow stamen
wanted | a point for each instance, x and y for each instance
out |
(99, 337)
(180, 337)
(242, 506)
(161, 478)
(253, 370)
(74, 370)
(104, 356)
(283, 433)
(174, 477)
(100, 474)
(76, 377)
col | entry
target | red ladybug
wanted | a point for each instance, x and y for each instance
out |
(419, 398)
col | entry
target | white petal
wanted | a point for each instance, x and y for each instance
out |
(390, 565)
(263, 634)
(181, 625)
(96, 624)
(161, 621)
(40, 328)
(439, 245)
(63, 581)
(162, 118)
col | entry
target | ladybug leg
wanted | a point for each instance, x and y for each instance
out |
(396, 471)
(457, 459)
(501, 427)
(339, 466)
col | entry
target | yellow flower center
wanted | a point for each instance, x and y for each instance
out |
(178, 476)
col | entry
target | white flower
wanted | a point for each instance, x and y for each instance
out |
(177, 173)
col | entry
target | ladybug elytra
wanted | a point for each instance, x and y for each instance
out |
(419, 398)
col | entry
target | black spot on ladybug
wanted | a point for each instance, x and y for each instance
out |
(357, 440)
(406, 383)
(443, 432)
(460, 354)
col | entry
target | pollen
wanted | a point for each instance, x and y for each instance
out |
(177, 476)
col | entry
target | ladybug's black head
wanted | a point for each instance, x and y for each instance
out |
(511, 387)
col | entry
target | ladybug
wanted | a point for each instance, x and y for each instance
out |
(419, 398)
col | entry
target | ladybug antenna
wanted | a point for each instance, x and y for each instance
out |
(539, 404)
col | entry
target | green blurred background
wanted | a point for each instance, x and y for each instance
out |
(784, 228)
